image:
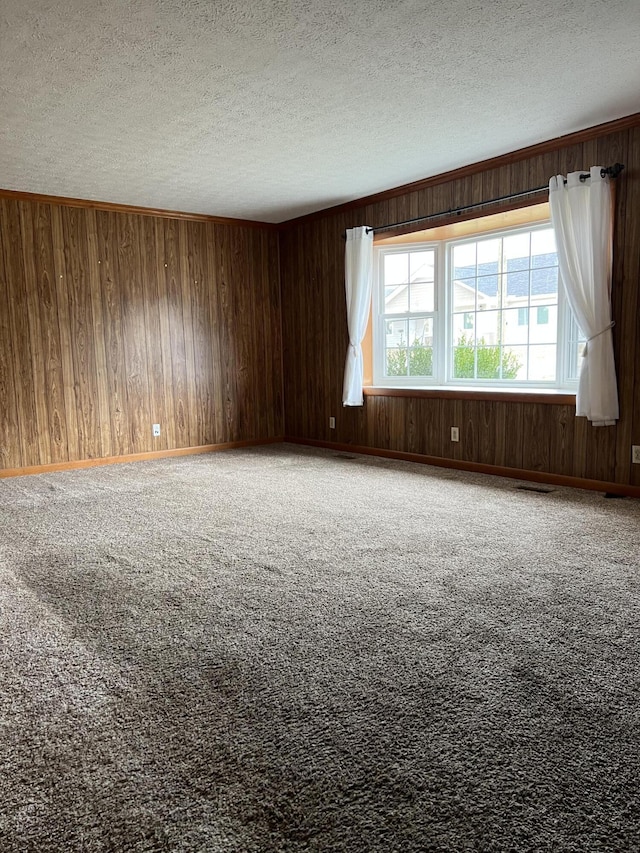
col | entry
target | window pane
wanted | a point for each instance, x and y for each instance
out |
(515, 326)
(542, 363)
(543, 248)
(396, 268)
(488, 327)
(420, 331)
(517, 264)
(464, 361)
(544, 328)
(513, 363)
(421, 266)
(464, 295)
(396, 362)
(488, 256)
(544, 283)
(421, 361)
(464, 261)
(463, 329)
(488, 295)
(396, 353)
(396, 299)
(517, 286)
(488, 359)
(516, 250)
(417, 359)
(421, 296)
(396, 333)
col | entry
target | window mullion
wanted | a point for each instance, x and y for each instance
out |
(502, 271)
(443, 312)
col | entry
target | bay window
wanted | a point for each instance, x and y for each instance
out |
(484, 310)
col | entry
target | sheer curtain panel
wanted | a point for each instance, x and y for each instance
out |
(358, 263)
(582, 220)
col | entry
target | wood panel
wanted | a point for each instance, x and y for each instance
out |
(541, 435)
(627, 264)
(112, 321)
(9, 429)
(115, 207)
(32, 261)
(23, 445)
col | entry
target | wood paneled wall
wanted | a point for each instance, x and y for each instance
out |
(110, 322)
(533, 436)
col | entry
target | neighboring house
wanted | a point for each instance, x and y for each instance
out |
(528, 303)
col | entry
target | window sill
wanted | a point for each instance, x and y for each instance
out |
(552, 397)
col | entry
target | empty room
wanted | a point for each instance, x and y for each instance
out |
(319, 426)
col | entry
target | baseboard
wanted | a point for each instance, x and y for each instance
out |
(477, 467)
(134, 457)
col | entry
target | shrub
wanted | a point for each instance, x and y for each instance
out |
(420, 361)
(490, 359)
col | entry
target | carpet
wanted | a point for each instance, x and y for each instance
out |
(290, 649)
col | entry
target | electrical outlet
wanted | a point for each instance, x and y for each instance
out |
(156, 430)
(332, 423)
(635, 454)
(455, 434)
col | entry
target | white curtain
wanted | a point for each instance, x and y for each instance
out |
(358, 263)
(582, 220)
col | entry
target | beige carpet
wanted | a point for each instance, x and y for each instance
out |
(284, 649)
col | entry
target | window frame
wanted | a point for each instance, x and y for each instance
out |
(443, 317)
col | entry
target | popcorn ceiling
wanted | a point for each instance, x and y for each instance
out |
(269, 110)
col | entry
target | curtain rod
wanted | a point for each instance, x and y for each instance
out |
(611, 171)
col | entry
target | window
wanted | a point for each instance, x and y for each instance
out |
(481, 310)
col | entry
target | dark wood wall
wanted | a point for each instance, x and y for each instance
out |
(110, 322)
(534, 436)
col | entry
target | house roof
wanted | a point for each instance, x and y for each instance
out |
(543, 278)
(269, 110)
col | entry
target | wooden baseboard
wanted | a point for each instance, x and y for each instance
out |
(440, 462)
(477, 467)
(134, 457)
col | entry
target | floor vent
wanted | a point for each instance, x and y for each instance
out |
(535, 489)
(342, 456)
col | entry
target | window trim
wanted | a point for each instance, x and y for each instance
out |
(565, 385)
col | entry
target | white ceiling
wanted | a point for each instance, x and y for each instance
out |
(269, 110)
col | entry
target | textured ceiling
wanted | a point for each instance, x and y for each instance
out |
(268, 110)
